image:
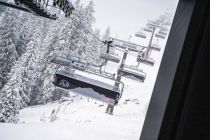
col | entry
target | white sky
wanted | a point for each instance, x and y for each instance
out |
(125, 17)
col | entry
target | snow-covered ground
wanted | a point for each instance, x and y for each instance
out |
(83, 118)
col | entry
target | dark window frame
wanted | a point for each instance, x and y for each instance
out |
(168, 116)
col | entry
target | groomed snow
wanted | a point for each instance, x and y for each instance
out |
(86, 119)
(83, 118)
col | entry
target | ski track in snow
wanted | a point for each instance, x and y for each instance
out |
(83, 119)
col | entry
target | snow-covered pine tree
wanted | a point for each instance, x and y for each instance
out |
(94, 48)
(9, 33)
(106, 34)
(31, 74)
(44, 66)
(2, 8)
(18, 91)
(10, 99)
(9, 108)
(87, 20)
(28, 24)
(71, 40)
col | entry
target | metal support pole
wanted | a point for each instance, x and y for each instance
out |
(150, 42)
(110, 108)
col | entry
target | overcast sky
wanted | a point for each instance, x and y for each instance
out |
(125, 17)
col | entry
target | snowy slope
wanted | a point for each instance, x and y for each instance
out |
(83, 118)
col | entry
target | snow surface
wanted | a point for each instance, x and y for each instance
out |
(83, 118)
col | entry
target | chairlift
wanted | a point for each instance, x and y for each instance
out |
(154, 47)
(129, 45)
(164, 29)
(147, 61)
(133, 49)
(132, 73)
(160, 35)
(141, 34)
(82, 66)
(162, 32)
(88, 87)
(126, 45)
(36, 7)
(147, 29)
(109, 57)
(70, 62)
(120, 46)
(168, 23)
(160, 20)
(153, 23)
(95, 71)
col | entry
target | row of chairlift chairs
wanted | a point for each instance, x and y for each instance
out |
(142, 57)
(99, 90)
(105, 92)
(87, 86)
(90, 87)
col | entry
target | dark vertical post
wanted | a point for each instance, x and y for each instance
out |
(110, 108)
(150, 42)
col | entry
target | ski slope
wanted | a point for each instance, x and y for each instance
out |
(82, 118)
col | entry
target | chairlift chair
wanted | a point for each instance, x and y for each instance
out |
(168, 23)
(147, 61)
(135, 74)
(155, 47)
(70, 62)
(82, 66)
(140, 34)
(162, 32)
(88, 87)
(95, 71)
(160, 20)
(130, 46)
(147, 29)
(133, 49)
(152, 23)
(160, 35)
(164, 29)
(120, 46)
(110, 57)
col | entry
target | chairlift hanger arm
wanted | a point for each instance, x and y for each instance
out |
(14, 6)
(122, 41)
(11, 5)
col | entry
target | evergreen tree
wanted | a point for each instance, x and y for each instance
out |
(18, 91)
(9, 108)
(71, 40)
(9, 28)
(28, 24)
(94, 48)
(106, 34)
(2, 8)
